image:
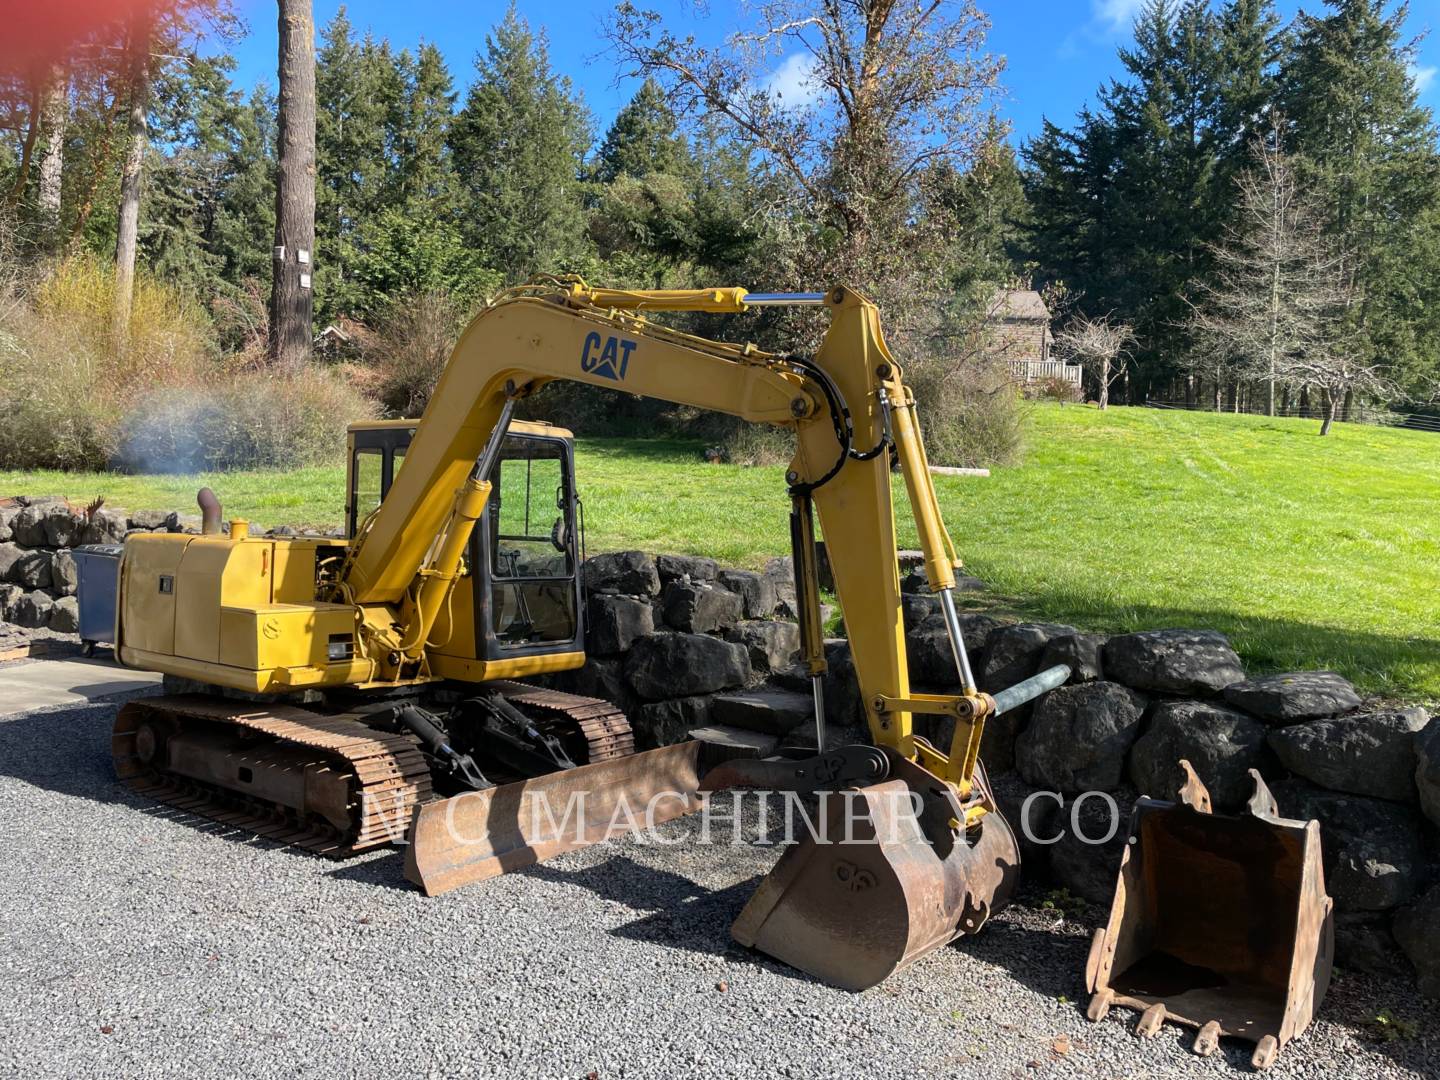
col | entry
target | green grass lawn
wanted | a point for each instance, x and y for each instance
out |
(1308, 552)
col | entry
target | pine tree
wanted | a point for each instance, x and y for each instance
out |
(1352, 104)
(644, 139)
(426, 178)
(519, 145)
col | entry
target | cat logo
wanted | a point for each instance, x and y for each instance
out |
(607, 357)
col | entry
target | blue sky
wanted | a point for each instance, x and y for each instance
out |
(1057, 51)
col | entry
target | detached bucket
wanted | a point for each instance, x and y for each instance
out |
(853, 909)
(1219, 923)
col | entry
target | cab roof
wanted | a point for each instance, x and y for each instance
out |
(518, 427)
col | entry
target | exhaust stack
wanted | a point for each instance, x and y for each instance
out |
(209, 512)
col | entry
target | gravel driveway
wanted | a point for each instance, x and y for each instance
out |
(142, 942)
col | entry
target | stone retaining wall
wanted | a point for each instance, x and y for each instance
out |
(687, 647)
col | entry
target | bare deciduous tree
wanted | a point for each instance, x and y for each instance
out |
(876, 93)
(1276, 310)
(1102, 346)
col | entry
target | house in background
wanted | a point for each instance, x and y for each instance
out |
(1020, 332)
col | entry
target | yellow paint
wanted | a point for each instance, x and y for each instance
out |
(398, 591)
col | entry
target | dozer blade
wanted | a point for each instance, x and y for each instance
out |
(1219, 923)
(481, 834)
(875, 888)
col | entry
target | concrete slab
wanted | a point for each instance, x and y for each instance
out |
(42, 684)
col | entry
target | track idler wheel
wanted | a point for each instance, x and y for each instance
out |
(876, 888)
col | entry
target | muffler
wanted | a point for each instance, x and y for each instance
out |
(1219, 923)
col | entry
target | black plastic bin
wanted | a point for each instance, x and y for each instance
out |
(98, 567)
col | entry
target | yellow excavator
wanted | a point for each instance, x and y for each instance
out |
(354, 693)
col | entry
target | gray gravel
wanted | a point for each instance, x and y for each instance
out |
(141, 942)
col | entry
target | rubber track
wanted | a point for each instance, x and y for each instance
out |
(390, 774)
(603, 725)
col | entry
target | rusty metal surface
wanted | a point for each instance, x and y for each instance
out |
(383, 776)
(1219, 923)
(481, 834)
(603, 727)
(852, 914)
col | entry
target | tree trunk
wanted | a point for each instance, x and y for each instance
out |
(1104, 396)
(1190, 390)
(138, 134)
(1330, 403)
(27, 152)
(1349, 404)
(52, 162)
(1217, 395)
(291, 299)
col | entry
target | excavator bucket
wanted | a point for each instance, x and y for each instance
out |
(883, 881)
(1219, 923)
(481, 834)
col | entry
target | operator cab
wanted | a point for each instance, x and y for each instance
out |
(523, 561)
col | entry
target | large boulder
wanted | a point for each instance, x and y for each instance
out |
(1427, 770)
(613, 623)
(10, 556)
(9, 596)
(630, 573)
(1011, 655)
(685, 568)
(155, 520)
(844, 708)
(719, 744)
(1079, 737)
(1289, 699)
(63, 526)
(1371, 754)
(1364, 942)
(1222, 744)
(65, 616)
(64, 574)
(780, 572)
(33, 570)
(599, 677)
(700, 609)
(1081, 653)
(32, 610)
(927, 647)
(105, 527)
(755, 590)
(772, 645)
(7, 515)
(1373, 850)
(915, 608)
(662, 723)
(774, 712)
(1093, 832)
(1195, 663)
(28, 526)
(681, 665)
(1417, 929)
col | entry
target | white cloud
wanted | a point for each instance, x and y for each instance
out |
(1424, 76)
(793, 82)
(1115, 15)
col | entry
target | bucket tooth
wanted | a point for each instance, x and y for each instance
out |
(1151, 1021)
(1208, 1040)
(1266, 1051)
(853, 912)
(1100, 1003)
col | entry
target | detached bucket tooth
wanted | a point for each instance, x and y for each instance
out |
(1219, 923)
(853, 909)
(481, 834)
